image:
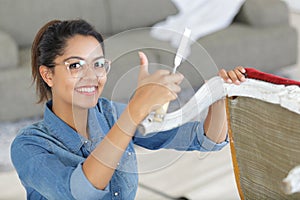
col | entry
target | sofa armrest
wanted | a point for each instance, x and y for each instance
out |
(262, 13)
(9, 54)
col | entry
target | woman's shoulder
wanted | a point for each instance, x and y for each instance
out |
(33, 129)
(35, 132)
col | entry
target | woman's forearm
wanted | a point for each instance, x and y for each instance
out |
(101, 164)
(215, 125)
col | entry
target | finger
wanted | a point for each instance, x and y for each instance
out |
(223, 74)
(175, 88)
(176, 78)
(240, 71)
(172, 91)
(233, 76)
(180, 78)
(240, 76)
(143, 66)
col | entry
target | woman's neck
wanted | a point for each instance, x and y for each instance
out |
(74, 116)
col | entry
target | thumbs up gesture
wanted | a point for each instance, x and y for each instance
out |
(153, 90)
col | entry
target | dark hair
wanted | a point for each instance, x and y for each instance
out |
(50, 42)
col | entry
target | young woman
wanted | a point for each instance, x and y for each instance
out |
(83, 148)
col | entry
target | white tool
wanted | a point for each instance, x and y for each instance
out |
(181, 49)
(160, 113)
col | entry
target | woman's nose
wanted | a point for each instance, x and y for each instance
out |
(90, 72)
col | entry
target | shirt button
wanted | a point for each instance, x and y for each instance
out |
(129, 153)
(85, 142)
(116, 194)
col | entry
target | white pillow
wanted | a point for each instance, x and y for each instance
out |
(201, 16)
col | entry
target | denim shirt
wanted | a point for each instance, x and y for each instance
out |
(48, 155)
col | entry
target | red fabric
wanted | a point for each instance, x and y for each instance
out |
(259, 75)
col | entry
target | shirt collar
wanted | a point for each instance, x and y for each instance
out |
(62, 131)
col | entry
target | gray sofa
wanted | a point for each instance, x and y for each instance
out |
(260, 36)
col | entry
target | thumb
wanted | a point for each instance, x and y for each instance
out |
(143, 66)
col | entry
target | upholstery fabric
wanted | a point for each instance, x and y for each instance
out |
(130, 14)
(27, 16)
(264, 140)
(261, 13)
(259, 75)
(9, 54)
(265, 147)
(23, 96)
(272, 42)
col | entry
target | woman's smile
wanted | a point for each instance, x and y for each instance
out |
(87, 90)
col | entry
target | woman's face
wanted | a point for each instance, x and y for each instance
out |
(80, 92)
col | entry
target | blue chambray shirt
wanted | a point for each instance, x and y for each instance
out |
(48, 155)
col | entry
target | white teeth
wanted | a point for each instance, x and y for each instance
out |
(86, 89)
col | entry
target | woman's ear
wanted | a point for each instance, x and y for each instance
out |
(46, 74)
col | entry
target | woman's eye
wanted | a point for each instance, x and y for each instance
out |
(99, 64)
(75, 66)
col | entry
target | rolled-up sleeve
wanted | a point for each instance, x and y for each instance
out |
(81, 188)
(187, 137)
(206, 143)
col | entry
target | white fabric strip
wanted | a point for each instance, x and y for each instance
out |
(291, 184)
(215, 89)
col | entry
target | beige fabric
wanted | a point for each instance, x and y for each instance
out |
(130, 14)
(22, 19)
(265, 146)
(8, 52)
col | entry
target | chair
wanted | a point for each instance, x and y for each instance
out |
(264, 132)
(264, 129)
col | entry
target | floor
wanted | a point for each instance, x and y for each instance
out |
(193, 175)
(172, 174)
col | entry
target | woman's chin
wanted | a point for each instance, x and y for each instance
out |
(86, 102)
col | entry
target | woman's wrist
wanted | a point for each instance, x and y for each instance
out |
(137, 110)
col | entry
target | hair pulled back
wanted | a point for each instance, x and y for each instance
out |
(50, 42)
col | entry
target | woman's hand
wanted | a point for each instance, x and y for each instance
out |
(215, 125)
(153, 90)
(235, 76)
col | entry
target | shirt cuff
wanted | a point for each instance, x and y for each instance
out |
(209, 145)
(81, 188)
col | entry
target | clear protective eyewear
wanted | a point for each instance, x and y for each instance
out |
(78, 67)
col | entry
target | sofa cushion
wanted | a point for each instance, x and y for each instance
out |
(22, 19)
(128, 14)
(122, 49)
(263, 13)
(18, 99)
(8, 51)
(266, 49)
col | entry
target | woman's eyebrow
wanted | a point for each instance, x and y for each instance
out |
(80, 58)
(73, 57)
(98, 57)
